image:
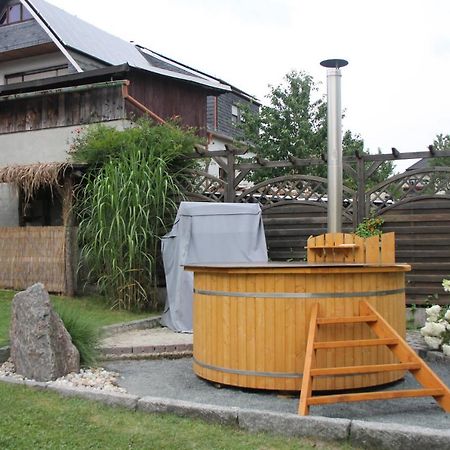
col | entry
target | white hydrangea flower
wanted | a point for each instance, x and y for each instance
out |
(433, 342)
(432, 329)
(427, 329)
(447, 315)
(446, 285)
(446, 349)
(433, 311)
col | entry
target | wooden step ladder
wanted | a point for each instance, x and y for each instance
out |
(386, 335)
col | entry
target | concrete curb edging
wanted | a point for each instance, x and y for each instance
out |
(393, 436)
(366, 434)
(208, 413)
(148, 350)
(127, 401)
(142, 324)
(143, 355)
(287, 424)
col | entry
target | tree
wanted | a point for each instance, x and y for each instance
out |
(441, 143)
(294, 123)
(353, 144)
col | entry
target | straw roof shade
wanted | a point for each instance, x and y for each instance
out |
(30, 178)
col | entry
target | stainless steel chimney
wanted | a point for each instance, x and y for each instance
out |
(334, 143)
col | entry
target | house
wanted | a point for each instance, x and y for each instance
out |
(224, 112)
(59, 74)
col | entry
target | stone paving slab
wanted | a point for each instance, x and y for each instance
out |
(152, 342)
(151, 337)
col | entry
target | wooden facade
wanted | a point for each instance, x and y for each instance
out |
(61, 108)
(43, 107)
(168, 98)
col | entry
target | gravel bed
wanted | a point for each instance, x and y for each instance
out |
(93, 378)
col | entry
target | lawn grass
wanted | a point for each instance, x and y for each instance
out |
(44, 420)
(93, 309)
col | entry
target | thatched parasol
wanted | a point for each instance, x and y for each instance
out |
(30, 178)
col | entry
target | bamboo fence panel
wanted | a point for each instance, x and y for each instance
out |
(30, 255)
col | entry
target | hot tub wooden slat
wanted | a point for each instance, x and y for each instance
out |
(258, 342)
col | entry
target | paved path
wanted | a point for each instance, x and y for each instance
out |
(174, 379)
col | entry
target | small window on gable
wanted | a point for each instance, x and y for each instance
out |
(26, 15)
(234, 114)
(237, 115)
(47, 72)
(14, 13)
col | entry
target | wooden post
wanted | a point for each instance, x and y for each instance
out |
(360, 210)
(230, 194)
(69, 236)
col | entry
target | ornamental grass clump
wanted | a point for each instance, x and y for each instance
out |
(436, 331)
(127, 202)
(84, 334)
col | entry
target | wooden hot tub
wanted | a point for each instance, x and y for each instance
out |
(251, 321)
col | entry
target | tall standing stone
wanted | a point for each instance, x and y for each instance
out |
(41, 347)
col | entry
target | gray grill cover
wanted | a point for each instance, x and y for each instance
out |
(207, 233)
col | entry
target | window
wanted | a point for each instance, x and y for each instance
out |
(14, 13)
(237, 116)
(48, 72)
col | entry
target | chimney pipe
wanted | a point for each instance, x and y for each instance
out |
(334, 116)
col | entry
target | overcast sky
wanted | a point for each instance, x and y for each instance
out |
(395, 90)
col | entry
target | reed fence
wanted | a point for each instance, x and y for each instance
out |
(30, 255)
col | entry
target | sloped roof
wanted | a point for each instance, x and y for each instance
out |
(164, 62)
(76, 34)
(79, 35)
(423, 163)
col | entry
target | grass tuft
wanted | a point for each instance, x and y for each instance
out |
(84, 334)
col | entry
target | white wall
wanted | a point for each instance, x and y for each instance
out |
(42, 146)
(30, 63)
(9, 206)
(29, 147)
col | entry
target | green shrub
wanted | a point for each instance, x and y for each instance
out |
(85, 335)
(128, 201)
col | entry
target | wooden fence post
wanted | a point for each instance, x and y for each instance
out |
(69, 236)
(230, 193)
(360, 209)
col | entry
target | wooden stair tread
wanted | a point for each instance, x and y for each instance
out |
(432, 385)
(342, 320)
(378, 395)
(372, 368)
(355, 343)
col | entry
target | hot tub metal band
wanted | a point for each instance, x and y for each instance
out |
(299, 294)
(248, 372)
